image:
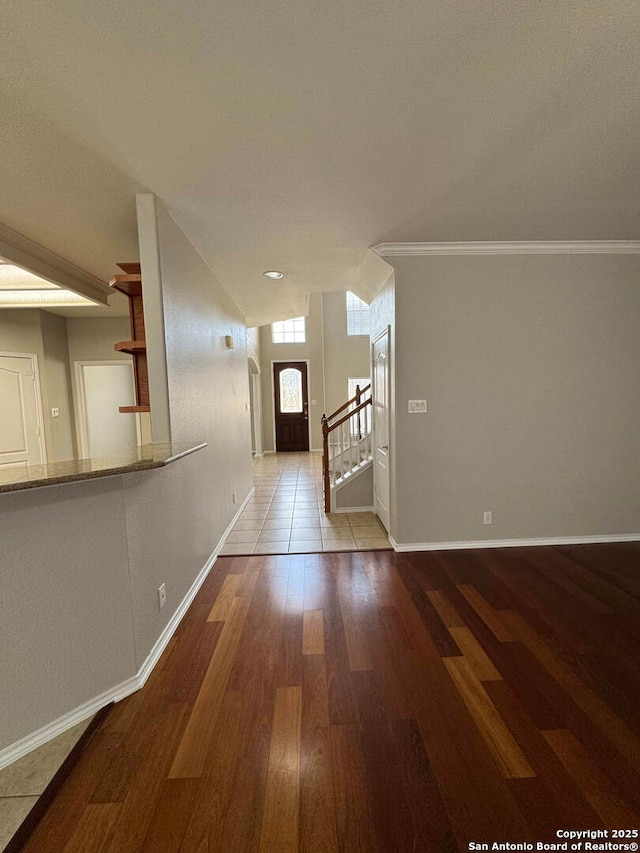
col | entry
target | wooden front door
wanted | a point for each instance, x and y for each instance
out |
(291, 406)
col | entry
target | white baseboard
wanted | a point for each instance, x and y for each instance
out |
(32, 741)
(353, 509)
(513, 543)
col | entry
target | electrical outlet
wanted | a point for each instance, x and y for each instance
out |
(234, 497)
(487, 518)
(162, 595)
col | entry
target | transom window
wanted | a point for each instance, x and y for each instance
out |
(289, 331)
(358, 315)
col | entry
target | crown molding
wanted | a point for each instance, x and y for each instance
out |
(23, 252)
(527, 247)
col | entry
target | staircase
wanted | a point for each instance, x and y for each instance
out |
(346, 444)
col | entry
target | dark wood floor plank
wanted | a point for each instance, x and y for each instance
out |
(189, 760)
(342, 707)
(318, 822)
(375, 701)
(597, 788)
(603, 716)
(313, 633)
(144, 789)
(281, 814)
(474, 654)
(429, 817)
(418, 633)
(396, 632)
(382, 576)
(315, 582)
(60, 821)
(207, 812)
(243, 822)
(477, 799)
(445, 610)
(440, 636)
(171, 816)
(223, 602)
(488, 615)
(558, 569)
(505, 750)
(385, 658)
(555, 800)
(356, 831)
(618, 562)
(94, 830)
(354, 596)
(389, 802)
(512, 660)
(599, 584)
(318, 827)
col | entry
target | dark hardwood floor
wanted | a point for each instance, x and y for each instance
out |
(376, 702)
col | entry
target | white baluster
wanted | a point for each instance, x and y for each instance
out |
(351, 426)
(332, 475)
(344, 448)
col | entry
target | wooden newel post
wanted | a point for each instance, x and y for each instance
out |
(325, 464)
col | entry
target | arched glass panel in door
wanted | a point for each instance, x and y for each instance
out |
(291, 391)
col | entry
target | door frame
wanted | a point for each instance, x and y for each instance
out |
(386, 333)
(80, 400)
(273, 397)
(38, 392)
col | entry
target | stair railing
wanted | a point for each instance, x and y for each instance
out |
(346, 442)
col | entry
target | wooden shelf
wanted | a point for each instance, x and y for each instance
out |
(131, 347)
(130, 283)
(131, 268)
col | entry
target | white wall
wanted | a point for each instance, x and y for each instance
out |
(62, 432)
(344, 355)
(92, 338)
(66, 624)
(529, 365)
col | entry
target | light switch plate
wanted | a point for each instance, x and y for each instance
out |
(417, 407)
(55, 413)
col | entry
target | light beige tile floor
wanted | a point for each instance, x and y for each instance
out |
(22, 782)
(286, 513)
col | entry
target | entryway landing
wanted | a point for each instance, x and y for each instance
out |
(286, 516)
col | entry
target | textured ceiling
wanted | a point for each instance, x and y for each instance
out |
(293, 135)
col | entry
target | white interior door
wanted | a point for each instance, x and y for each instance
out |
(103, 388)
(380, 394)
(20, 412)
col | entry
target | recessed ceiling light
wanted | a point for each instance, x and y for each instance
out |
(273, 274)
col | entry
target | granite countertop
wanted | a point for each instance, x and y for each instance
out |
(142, 458)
